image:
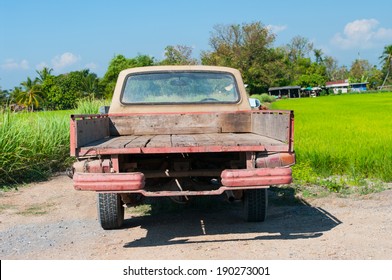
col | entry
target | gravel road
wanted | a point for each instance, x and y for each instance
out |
(50, 220)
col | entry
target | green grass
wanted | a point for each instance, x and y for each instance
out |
(35, 145)
(342, 135)
(90, 106)
(32, 145)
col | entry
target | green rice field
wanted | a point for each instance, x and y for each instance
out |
(347, 134)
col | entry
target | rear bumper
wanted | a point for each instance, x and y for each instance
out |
(255, 177)
(231, 179)
(113, 182)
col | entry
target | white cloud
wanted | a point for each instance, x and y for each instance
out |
(41, 66)
(362, 34)
(92, 66)
(384, 34)
(12, 64)
(64, 60)
(276, 28)
(24, 64)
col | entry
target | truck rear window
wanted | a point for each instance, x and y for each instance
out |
(180, 87)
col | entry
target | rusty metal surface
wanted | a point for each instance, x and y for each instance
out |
(275, 160)
(256, 177)
(232, 179)
(219, 191)
(72, 137)
(112, 182)
(93, 166)
(165, 150)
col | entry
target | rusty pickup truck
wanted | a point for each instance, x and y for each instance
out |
(180, 132)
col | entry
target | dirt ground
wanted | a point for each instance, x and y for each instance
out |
(50, 220)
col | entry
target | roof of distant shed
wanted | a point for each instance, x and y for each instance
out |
(286, 87)
(357, 84)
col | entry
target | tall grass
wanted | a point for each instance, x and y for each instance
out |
(344, 135)
(90, 106)
(32, 145)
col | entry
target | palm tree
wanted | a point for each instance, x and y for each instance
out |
(30, 95)
(90, 85)
(386, 59)
(44, 74)
(318, 53)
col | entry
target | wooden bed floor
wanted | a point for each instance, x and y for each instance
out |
(183, 140)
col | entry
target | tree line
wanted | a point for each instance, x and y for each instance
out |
(247, 47)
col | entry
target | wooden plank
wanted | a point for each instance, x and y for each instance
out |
(119, 142)
(160, 141)
(181, 123)
(223, 139)
(139, 141)
(183, 140)
(110, 142)
(100, 143)
(187, 140)
(89, 130)
(271, 124)
(205, 139)
(239, 122)
(155, 124)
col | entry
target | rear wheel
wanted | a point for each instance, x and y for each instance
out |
(110, 210)
(255, 205)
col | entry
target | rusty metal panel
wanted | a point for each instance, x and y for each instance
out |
(88, 151)
(275, 160)
(219, 191)
(72, 138)
(256, 172)
(259, 181)
(92, 166)
(256, 177)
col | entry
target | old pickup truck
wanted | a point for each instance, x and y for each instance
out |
(179, 132)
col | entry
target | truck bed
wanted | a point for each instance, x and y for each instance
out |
(93, 135)
(180, 143)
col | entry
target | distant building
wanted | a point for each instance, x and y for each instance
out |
(287, 91)
(358, 87)
(311, 91)
(343, 86)
(340, 86)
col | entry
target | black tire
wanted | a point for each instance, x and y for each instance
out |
(255, 205)
(110, 210)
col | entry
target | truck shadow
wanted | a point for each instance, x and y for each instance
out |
(216, 220)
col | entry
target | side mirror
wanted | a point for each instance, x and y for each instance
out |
(254, 103)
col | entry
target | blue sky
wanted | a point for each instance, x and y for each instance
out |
(69, 35)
